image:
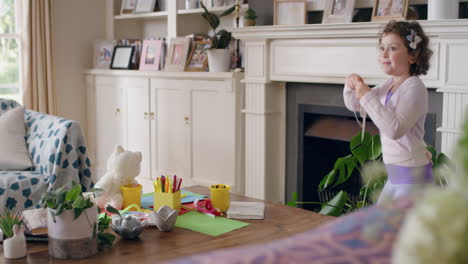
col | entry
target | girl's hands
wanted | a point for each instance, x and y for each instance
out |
(357, 84)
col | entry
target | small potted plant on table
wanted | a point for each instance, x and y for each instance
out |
(71, 223)
(11, 223)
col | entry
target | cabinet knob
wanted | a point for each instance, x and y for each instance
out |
(145, 115)
(186, 119)
(152, 115)
(117, 110)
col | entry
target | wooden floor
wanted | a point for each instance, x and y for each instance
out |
(153, 246)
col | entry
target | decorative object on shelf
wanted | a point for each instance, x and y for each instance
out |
(71, 223)
(151, 55)
(128, 6)
(290, 12)
(386, 10)
(103, 50)
(128, 227)
(338, 11)
(219, 56)
(207, 3)
(165, 218)
(11, 224)
(198, 58)
(218, 3)
(122, 57)
(442, 9)
(177, 55)
(145, 6)
(191, 4)
(249, 17)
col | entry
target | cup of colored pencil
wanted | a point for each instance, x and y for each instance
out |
(167, 192)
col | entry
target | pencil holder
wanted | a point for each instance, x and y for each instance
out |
(170, 199)
(219, 194)
(131, 194)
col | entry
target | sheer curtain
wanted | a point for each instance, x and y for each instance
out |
(37, 66)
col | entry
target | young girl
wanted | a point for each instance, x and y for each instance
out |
(398, 107)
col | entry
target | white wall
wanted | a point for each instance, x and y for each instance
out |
(76, 25)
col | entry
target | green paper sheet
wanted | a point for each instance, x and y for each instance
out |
(202, 223)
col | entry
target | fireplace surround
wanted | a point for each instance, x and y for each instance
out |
(326, 54)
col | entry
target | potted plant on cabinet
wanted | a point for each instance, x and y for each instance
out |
(11, 223)
(249, 18)
(219, 56)
(71, 223)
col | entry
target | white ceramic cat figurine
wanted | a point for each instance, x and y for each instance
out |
(15, 246)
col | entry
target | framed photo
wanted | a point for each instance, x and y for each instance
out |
(151, 55)
(128, 6)
(290, 12)
(144, 6)
(198, 59)
(338, 11)
(177, 54)
(122, 57)
(103, 50)
(386, 10)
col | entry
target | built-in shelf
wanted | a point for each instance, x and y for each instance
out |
(152, 15)
(216, 10)
(163, 14)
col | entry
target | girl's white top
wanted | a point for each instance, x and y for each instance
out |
(400, 122)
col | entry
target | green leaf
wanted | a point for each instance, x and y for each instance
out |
(433, 152)
(336, 205)
(79, 203)
(292, 204)
(228, 11)
(73, 193)
(112, 210)
(327, 180)
(368, 149)
(77, 212)
(345, 166)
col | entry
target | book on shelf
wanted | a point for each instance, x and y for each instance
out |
(35, 221)
(246, 210)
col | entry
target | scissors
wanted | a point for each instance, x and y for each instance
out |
(206, 207)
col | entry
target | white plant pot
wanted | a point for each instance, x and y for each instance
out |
(442, 9)
(219, 60)
(15, 247)
(72, 239)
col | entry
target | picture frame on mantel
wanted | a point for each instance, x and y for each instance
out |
(338, 11)
(151, 55)
(290, 12)
(177, 54)
(198, 58)
(386, 10)
(128, 7)
(145, 6)
(122, 57)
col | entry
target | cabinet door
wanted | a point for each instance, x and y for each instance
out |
(172, 122)
(109, 120)
(213, 135)
(138, 121)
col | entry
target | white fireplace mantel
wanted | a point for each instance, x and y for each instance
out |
(327, 54)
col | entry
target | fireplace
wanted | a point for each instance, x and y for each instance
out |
(319, 129)
(326, 54)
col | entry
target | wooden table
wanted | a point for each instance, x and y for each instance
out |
(280, 221)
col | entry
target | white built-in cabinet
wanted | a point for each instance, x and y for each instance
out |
(185, 124)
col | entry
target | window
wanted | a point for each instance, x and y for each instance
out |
(10, 47)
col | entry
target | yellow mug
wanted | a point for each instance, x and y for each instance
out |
(219, 194)
(131, 194)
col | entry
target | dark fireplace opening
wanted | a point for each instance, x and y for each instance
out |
(309, 109)
(325, 134)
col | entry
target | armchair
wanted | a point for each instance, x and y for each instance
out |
(58, 154)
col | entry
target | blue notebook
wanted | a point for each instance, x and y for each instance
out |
(147, 199)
